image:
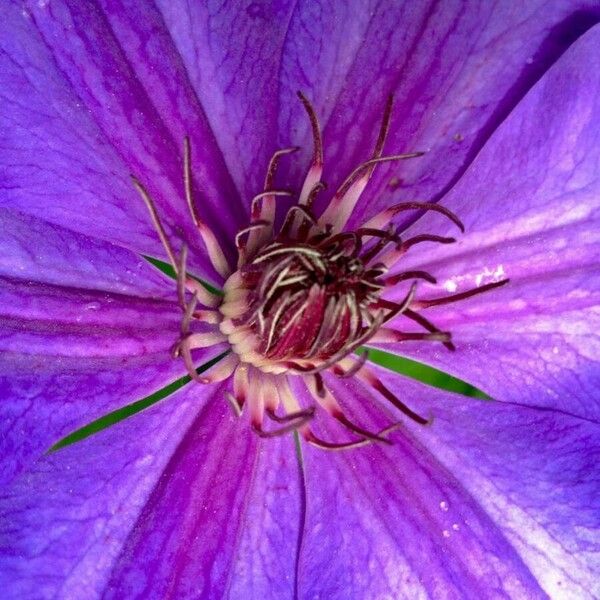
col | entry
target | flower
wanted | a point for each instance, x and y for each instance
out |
(183, 500)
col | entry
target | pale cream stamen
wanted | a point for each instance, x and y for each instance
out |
(213, 248)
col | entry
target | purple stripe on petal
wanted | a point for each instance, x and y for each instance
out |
(455, 74)
(393, 520)
(214, 526)
(533, 471)
(38, 252)
(65, 519)
(116, 108)
(233, 54)
(531, 206)
(85, 327)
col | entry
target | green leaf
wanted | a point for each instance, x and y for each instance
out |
(169, 271)
(112, 418)
(423, 373)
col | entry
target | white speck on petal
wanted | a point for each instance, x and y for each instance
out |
(450, 285)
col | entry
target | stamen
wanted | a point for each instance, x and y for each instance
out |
(203, 295)
(207, 316)
(236, 407)
(385, 127)
(388, 237)
(421, 320)
(241, 384)
(155, 220)
(396, 308)
(180, 270)
(312, 439)
(306, 413)
(309, 251)
(359, 430)
(274, 163)
(272, 276)
(185, 345)
(269, 392)
(427, 303)
(258, 208)
(326, 399)
(259, 224)
(187, 314)
(369, 377)
(266, 210)
(324, 326)
(318, 187)
(222, 371)
(386, 215)
(287, 302)
(291, 426)
(390, 257)
(424, 237)
(351, 200)
(204, 340)
(357, 365)
(316, 167)
(385, 335)
(291, 221)
(347, 349)
(394, 279)
(184, 282)
(343, 202)
(215, 254)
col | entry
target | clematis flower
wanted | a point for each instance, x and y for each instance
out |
(185, 500)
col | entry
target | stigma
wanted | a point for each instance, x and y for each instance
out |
(305, 296)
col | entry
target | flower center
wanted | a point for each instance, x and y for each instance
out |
(305, 297)
(302, 301)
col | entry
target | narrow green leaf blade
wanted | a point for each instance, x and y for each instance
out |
(302, 511)
(423, 373)
(169, 271)
(114, 417)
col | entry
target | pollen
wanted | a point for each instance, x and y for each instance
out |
(305, 296)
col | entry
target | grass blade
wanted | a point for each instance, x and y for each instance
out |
(169, 271)
(114, 417)
(423, 373)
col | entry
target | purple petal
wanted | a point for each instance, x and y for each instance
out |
(64, 520)
(90, 97)
(86, 327)
(534, 472)
(531, 205)
(222, 521)
(233, 54)
(455, 74)
(36, 251)
(489, 501)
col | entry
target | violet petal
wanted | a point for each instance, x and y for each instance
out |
(86, 327)
(65, 519)
(491, 500)
(86, 104)
(222, 521)
(455, 73)
(531, 205)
